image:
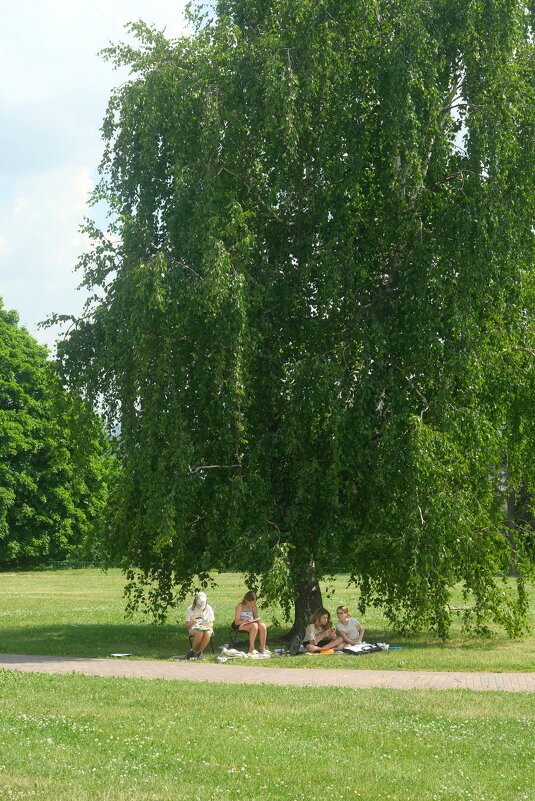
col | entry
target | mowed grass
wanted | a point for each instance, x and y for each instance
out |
(76, 738)
(81, 613)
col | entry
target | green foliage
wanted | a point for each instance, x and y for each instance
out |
(52, 456)
(316, 323)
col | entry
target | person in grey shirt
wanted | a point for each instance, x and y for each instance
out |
(350, 628)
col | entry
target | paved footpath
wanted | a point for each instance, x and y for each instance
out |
(249, 674)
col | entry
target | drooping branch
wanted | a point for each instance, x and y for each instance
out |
(200, 468)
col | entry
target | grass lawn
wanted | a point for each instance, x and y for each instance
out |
(81, 613)
(76, 738)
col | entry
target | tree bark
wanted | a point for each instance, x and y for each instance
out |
(308, 599)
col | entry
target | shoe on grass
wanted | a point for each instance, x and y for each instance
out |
(200, 655)
(190, 655)
(266, 652)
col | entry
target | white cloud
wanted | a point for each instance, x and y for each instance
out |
(39, 230)
(53, 93)
(20, 204)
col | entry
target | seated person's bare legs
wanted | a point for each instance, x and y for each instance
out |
(200, 640)
(262, 633)
(251, 629)
(335, 644)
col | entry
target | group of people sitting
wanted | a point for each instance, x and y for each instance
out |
(320, 636)
(200, 621)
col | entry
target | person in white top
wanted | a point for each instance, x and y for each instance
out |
(350, 628)
(200, 625)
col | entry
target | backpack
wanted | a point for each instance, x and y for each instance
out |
(296, 645)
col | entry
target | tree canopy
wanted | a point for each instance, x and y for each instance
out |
(52, 456)
(313, 310)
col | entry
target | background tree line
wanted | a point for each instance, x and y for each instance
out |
(55, 461)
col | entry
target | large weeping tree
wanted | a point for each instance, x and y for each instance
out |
(312, 316)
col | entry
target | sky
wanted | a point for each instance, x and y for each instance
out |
(53, 94)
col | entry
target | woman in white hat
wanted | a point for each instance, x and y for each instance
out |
(200, 625)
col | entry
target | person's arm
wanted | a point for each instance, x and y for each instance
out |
(309, 634)
(237, 613)
(190, 621)
(211, 617)
(361, 632)
(344, 636)
(322, 635)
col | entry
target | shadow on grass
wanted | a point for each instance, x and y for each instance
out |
(150, 641)
(95, 640)
(144, 640)
(425, 640)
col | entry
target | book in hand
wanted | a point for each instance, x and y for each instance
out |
(201, 625)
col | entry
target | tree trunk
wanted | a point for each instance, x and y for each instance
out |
(308, 599)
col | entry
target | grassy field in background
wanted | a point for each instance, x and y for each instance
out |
(77, 738)
(81, 613)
